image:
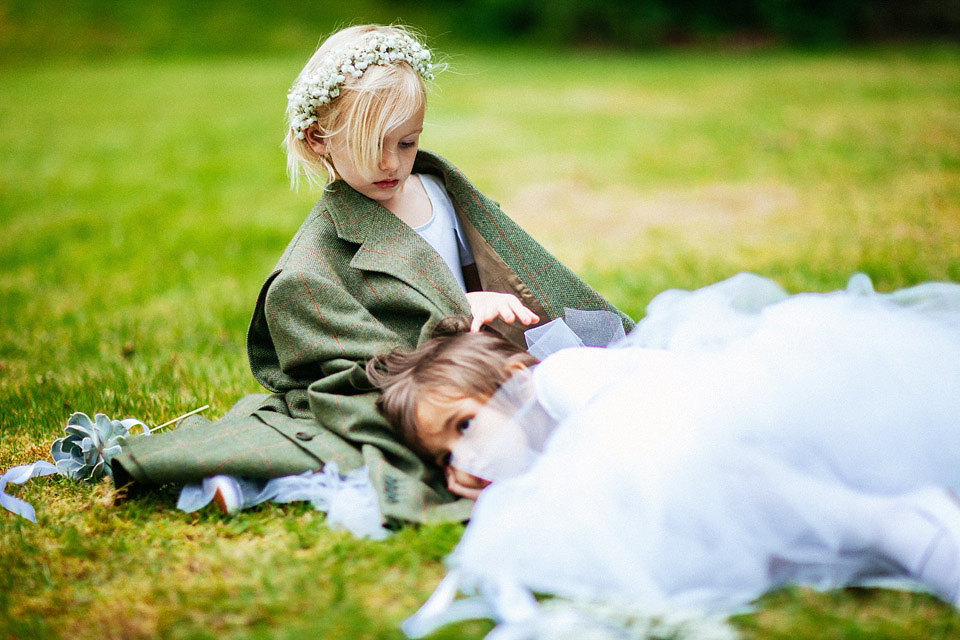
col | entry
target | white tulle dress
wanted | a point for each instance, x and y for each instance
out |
(737, 440)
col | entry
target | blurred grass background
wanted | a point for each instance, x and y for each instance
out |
(143, 201)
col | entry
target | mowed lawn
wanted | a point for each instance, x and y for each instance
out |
(143, 201)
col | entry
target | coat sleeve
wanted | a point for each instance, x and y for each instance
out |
(312, 321)
(305, 321)
(322, 338)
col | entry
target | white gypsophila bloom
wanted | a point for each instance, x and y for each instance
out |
(323, 85)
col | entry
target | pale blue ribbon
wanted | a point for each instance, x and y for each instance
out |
(19, 475)
(350, 501)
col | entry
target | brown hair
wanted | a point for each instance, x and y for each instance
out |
(454, 363)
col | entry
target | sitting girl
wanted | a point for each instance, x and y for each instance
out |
(399, 239)
(737, 440)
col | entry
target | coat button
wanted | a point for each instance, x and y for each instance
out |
(303, 435)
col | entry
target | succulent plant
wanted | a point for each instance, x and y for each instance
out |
(88, 447)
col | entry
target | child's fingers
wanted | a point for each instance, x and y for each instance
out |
(486, 314)
(522, 312)
(492, 314)
(463, 484)
(506, 313)
(482, 316)
(458, 489)
(465, 489)
(488, 306)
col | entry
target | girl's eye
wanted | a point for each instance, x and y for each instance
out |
(463, 425)
(406, 144)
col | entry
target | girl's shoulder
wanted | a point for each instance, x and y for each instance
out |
(316, 235)
(318, 220)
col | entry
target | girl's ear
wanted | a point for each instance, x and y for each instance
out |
(514, 365)
(316, 140)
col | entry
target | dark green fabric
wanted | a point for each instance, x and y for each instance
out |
(356, 282)
(240, 443)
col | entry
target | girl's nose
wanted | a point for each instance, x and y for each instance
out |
(388, 161)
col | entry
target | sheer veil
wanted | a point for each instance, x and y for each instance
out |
(512, 428)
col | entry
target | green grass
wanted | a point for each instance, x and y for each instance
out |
(142, 202)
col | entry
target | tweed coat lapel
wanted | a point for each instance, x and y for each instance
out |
(390, 246)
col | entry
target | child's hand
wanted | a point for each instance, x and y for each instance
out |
(463, 484)
(487, 306)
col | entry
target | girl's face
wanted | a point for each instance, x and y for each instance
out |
(441, 421)
(399, 151)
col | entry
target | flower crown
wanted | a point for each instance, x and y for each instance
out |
(322, 85)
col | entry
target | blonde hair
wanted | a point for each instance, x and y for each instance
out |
(367, 108)
(454, 364)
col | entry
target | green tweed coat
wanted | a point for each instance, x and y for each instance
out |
(355, 282)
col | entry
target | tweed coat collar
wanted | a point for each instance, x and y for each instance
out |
(389, 245)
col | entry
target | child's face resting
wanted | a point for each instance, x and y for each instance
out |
(441, 421)
(399, 151)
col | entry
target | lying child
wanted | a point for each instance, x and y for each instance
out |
(810, 440)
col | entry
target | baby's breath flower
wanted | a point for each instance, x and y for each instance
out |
(322, 86)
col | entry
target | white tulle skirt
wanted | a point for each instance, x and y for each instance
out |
(756, 440)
